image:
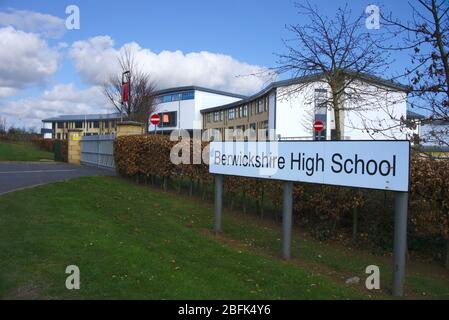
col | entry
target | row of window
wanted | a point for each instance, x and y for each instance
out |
(84, 125)
(256, 131)
(237, 113)
(178, 96)
(64, 136)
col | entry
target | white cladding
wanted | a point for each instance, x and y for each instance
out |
(435, 134)
(379, 109)
(380, 165)
(189, 111)
(47, 125)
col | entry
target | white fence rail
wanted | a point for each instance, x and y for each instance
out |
(98, 151)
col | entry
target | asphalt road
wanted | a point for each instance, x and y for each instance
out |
(15, 176)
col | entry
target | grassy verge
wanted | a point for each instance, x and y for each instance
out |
(134, 242)
(22, 151)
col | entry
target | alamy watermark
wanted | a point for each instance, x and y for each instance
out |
(372, 22)
(72, 282)
(72, 22)
(373, 280)
(189, 149)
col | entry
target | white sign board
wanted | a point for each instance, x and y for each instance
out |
(380, 165)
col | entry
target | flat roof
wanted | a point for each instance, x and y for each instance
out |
(84, 117)
(197, 88)
(305, 79)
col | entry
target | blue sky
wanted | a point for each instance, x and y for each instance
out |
(246, 31)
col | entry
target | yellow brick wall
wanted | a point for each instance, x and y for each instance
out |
(74, 147)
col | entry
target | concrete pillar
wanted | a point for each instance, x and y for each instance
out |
(74, 147)
(130, 128)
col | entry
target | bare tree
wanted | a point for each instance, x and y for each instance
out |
(426, 37)
(141, 90)
(341, 54)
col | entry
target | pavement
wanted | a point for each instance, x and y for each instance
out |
(16, 176)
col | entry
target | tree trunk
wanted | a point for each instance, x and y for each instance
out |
(336, 87)
(337, 125)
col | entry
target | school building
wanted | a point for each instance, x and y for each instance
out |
(284, 110)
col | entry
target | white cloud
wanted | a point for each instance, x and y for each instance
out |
(25, 59)
(61, 99)
(35, 22)
(7, 92)
(96, 58)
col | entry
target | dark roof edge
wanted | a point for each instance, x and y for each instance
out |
(309, 78)
(414, 116)
(82, 117)
(197, 88)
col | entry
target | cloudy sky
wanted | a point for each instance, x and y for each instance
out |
(48, 70)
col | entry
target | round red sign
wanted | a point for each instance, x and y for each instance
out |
(155, 119)
(318, 126)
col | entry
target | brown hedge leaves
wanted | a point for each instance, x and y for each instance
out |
(327, 206)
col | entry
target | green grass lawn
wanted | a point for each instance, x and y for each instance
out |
(22, 151)
(134, 242)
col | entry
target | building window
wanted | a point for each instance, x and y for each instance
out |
(216, 116)
(209, 117)
(264, 127)
(320, 101)
(106, 124)
(166, 99)
(260, 106)
(189, 95)
(221, 116)
(60, 125)
(169, 119)
(78, 124)
(231, 114)
(96, 124)
(245, 111)
(158, 100)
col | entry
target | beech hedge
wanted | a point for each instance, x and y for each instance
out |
(326, 211)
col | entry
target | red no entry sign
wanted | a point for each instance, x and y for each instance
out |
(318, 126)
(155, 119)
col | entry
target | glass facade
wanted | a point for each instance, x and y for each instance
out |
(176, 96)
(169, 120)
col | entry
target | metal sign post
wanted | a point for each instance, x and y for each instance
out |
(287, 209)
(400, 242)
(380, 165)
(218, 202)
